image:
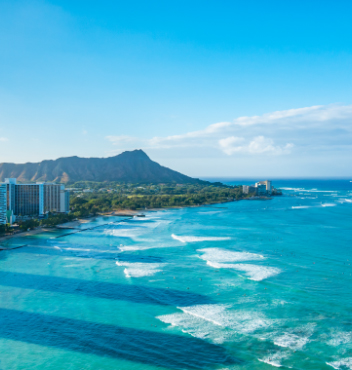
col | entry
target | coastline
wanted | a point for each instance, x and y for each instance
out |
(68, 225)
(74, 225)
(23, 234)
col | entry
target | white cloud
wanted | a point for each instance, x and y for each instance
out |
(228, 145)
(4, 139)
(276, 133)
(258, 145)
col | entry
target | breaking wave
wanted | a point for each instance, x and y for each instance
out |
(223, 255)
(345, 363)
(195, 239)
(274, 359)
(254, 272)
(296, 339)
(340, 338)
(216, 322)
(139, 269)
(126, 233)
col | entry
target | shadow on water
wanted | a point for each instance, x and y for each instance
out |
(132, 293)
(152, 348)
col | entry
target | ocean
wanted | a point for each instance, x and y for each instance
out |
(243, 285)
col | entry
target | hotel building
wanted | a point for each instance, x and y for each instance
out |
(31, 199)
(3, 205)
(260, 188)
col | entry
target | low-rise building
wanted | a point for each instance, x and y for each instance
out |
(249, 189)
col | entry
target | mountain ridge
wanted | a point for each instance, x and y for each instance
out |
(129, 166)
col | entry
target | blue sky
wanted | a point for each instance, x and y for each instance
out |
(209, 88)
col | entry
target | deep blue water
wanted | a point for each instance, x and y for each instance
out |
(242, 285)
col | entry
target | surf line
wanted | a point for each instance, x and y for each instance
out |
(93, 227)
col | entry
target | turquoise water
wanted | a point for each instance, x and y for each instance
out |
(241, 285)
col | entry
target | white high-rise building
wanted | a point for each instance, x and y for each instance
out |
(3, 203)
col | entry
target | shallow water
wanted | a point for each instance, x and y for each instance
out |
(242, 285)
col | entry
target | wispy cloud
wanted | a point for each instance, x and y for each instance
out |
(4, 139)
(258, 145)
(275, 133)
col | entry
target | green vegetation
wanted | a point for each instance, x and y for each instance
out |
(91, 198)
(5, 229)
(116, 196)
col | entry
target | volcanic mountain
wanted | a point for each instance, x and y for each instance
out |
(130, 166)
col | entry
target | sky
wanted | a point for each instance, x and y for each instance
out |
(208, 88)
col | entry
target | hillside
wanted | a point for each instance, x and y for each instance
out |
(129, 166)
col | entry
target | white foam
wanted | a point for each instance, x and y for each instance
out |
(254, 272)
(139, 269)
(294, 189)
(196, 327)
(215, 322)
(348, 200)
(142, 248)
(220, 315)
(292, 341)
(72, 265)
(274, 359)
(89, 250)
(195, 239)
(223, 255)
(295, 339)
(345, 363)
(300, 207)
(340, 338)
(328, 204)
(126, 233)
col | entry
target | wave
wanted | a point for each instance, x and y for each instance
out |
(89, 250)
(142, 248)
(254, 272)
(340, 338)
(76, 265)
(223, 255)
(216, 322)
(294, 189)
(321, 205)
(291, 341)
(125, 233)
(345, 363)
(297, 338)
(219, 314)
(274, 359)
(310, 190)
(139, 269)
(195, 239)
(197, 327)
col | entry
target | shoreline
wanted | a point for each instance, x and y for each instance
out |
(72, 225)
(75, 224)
